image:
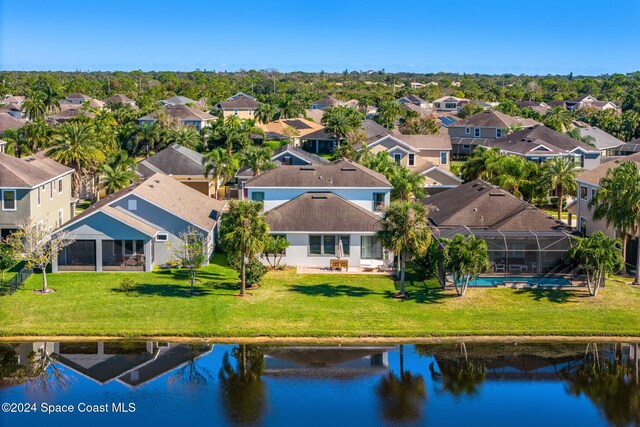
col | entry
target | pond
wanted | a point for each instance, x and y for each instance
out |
(116, 383)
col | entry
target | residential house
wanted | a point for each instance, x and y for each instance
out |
(180, 163)
(414, 100)
(3, 145)
(323, 142)
(13, 110)
(120, 99)
(66, 114)
(242, 105)
(587, 101)
(522, 239)
(603, 141)
(37, 189)
(314, 115)
(540, 143)
(539, 107)
(178, 100)
(188, 116)
(330, 102)
(7, 121)
(627, 148)
(13, 100)
(429, 155)
(287, 155)
(322, 208)
(449, 104)
(76, 98)
(289, 129)
(135, 229)
(588, 185)
(467, 134)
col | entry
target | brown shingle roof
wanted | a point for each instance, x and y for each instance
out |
(240, 102)
(7, 121)
(29, 172)
(124, 99)
(596, 174)
(480, 205)
(341, 173)
(182, 113)
(322, 212)
(526, 140)
(493, 119)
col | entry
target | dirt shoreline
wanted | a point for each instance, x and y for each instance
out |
(334, 340)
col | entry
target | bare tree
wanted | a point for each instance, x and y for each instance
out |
(37, 246)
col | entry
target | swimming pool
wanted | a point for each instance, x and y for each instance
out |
(488, 282)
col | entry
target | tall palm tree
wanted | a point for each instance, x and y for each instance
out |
(406, 184)
(266, 113)
(149, 137)
(34, 106)
(50, 96)
(618, 202)
(233, 133)
(187, 136)
(559, 174)
(558, 118)
(256, 158)
(465, 258)
(220, 165)
(405, 231)
(380, 162)
(478, 164)
(341, 120)
(288, 108)
(388, 113)
(118, 172)
(75, 145)
(598, 256)
(245, 233)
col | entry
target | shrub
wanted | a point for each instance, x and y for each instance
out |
(255, 270)
(127, 284)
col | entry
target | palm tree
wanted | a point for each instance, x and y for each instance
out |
(597, 255)
(30, 138)
(50, 97)
(76, 146)
(187, 136)
(406, 184)
(341, 120)
(558, 118)
(244, 232)
(220, 165)
(34, 106)
(618, 202)
(289, 108)
(149, 137)
(587, 139)
(478, 164)
(405, 231)
(265, 113)
(277, 246)
(232, 132)
(380, 162)
(118, 172)
(559, 174)
(465, 258)
(256, 158)
(388, 113)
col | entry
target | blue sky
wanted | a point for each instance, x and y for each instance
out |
(483, 36)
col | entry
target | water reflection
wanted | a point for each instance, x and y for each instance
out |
(444, 384)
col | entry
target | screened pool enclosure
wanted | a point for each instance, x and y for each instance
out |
(521, 253)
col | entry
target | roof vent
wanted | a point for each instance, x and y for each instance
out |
(157, 181)
(348, 169)
(319, 196)
(307, 169)
(497, 194)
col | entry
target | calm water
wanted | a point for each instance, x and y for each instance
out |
(447, 384)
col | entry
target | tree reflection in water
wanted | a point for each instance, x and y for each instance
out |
(459, 375)
(402, 396)
(243, 392)
(611, 384)
(41, 374)
(191, 372)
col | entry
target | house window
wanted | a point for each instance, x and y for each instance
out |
(412, 159)
(51, 187)
(378, 202)
(467, 131)
(60, 217)
(397, 157)
(162, 237)
(593, 193)
(498, 133)
(583, 226)
(60, 185)
(235, 112)
(443, 157)
(476, 132)
(466, 146)
(257, 196)
(287, 161)
(371, 248)
(583, 192)
(132, 204)
(328, 245)
(39, 193)
(450, 105)
(437, 105)
(8, 200)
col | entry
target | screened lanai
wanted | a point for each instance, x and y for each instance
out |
(521, 253)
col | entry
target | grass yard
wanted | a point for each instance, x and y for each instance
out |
(291, 305)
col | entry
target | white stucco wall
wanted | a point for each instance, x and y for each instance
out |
(363, 197)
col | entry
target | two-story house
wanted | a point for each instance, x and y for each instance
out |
(188, 116)
(37, 189)
(242, 105)
(139, 227)
(467, 134)
(414, 100)
(449, 104)
(429, 155)
(322, 208)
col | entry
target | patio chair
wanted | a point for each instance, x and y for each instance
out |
(500, 268)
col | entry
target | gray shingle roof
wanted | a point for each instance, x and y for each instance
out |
(7, 121)
(28, 172)
(174, 160)
(182, 113)
(526, 140)
(239, 101)
(322, 212)
(179, 100)
(602, 139)
(493, 119)
(341, 173)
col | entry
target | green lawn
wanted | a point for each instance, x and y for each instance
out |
(291, 305)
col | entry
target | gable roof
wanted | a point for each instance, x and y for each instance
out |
(328, 101)
(69, 113)
(29, 172)
(480, 205)
(528, 140)
(182, 113)
(282, 127)
(13, 99)
(493, 119)
(173, 160)
(602, 139)
(7, 121)
(178, 100)
(412, 99)
(124, 99)
(78, 95)
(168, 194)
(239, 101)
(338, 174)
(594, 175)
(322, 212)
(311, 158)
